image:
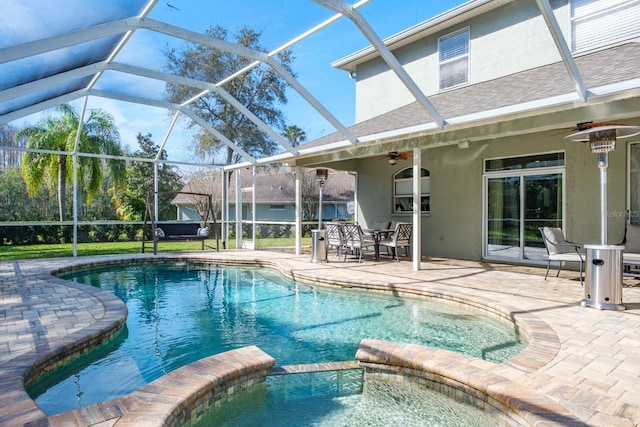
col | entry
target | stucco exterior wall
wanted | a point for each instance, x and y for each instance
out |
(454, 227)
(510, 39)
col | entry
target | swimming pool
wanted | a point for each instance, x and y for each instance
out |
(341, 398)
(181, 312)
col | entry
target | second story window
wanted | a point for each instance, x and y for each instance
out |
(454, 59)
(597, 23)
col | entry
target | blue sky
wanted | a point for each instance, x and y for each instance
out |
(279, 22)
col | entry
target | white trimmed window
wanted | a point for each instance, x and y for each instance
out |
(454, 59)
(597, 23)
(403, 191)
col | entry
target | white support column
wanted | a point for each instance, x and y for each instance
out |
(156, 209)
(356, 202)
(298, 208)
(238, 209)
(75, 177)
(75, 204)
(224, 210)
(417, 212)
(253, 208)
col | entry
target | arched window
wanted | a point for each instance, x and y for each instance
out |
(403, 191)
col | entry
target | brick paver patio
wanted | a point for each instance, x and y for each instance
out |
(586, 360)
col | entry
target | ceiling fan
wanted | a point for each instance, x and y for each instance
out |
(590, 125)
(585, 126)
(393, 157)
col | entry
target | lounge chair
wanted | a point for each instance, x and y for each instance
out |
(560, 249)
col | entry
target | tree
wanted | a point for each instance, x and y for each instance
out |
(132, 200)
(8, 139)
(99, 135)
(260, 90)
(13, 196)
(294, 135)
(204, 182)
(310, 194)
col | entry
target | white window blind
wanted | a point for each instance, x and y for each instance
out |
(403, 191)
(596, 23)
(454, 59)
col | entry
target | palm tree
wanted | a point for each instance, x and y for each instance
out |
(294, 135)
(99, 135)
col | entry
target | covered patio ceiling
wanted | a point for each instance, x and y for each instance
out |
(91, 52)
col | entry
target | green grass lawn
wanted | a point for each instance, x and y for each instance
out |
(10, 253)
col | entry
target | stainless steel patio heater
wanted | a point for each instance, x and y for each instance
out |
(603, 282)
(319, 236)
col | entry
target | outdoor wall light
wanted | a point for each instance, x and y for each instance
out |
(392, 161)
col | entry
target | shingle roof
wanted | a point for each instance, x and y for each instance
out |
(275, 185)
(601, 68)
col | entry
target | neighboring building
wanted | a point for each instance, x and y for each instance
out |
(499, 167)
(275, 195)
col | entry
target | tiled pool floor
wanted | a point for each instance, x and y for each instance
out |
(585, 359)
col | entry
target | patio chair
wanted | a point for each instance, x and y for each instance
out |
(401, 238)
(631, 254)
(356, 240)
(381, 225)
(560, 249)
(335, 237)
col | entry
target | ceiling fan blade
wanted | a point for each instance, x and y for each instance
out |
(394, 155)
(582, 126)
(588, 125)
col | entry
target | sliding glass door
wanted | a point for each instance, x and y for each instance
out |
(634, 184)
(504, 217)
(519, 198)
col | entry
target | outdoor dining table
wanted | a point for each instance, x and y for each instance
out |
(377, 234)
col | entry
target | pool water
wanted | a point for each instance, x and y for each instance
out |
(182, 312)
(341, 398)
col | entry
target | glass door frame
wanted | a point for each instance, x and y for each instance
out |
(632, 212)
(521, 173)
